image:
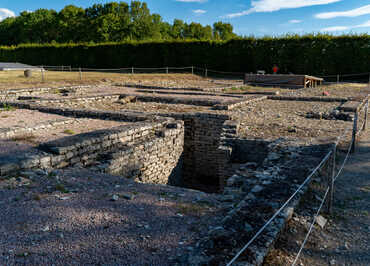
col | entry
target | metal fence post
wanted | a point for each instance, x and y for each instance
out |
(206, 73)
(354, 133)
(79, 70)
(366, 111)
(166, 70)
(192, 70)
(331, 181)
(337, 78)
(132, 70)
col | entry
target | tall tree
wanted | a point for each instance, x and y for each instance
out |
(223, 31)
(114, 21)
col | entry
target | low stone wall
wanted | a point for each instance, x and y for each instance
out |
(192, 93)
(308, 99)
(84, 99)
(13, 94)
(235, 104)
(82, 149)
(209, 89)
(173, 100)
(154, 160)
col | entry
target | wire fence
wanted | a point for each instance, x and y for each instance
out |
(348, 78)
(329, 193)
(201, 71)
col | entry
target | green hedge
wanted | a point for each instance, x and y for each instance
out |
(315, 55)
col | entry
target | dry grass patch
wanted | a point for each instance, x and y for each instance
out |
(16, 79)
(69, 132)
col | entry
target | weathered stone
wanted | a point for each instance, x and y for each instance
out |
(321, 221)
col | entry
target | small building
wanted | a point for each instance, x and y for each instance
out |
(283, 81)
(8, 66)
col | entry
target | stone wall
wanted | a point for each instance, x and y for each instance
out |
(149, 152)
(203, 133)
(154, 160)
(13, 94)
(202, 159)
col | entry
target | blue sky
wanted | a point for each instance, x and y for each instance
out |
(249, 17)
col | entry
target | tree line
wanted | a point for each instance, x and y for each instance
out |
(110, 22)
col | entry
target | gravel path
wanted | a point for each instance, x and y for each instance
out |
(70, 217)
(25, 118)
(345, 240)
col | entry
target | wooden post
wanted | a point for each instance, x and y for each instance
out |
(62, 68)
(42, 74)
(338, 79)
(206, 73)
(80, 72)
(354, 133)
(331, 181)
(366, 111)
(166, 70)
(132, 70)
(192, 71)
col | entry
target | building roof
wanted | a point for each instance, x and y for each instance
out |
(15, 66)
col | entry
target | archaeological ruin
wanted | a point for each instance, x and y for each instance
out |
(242, 150)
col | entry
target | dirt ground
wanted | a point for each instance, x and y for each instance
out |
(70, 217)
(338, 90)
(274, 119)
(16, 79)
(345, 239)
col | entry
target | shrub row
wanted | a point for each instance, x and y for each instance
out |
(314, 55)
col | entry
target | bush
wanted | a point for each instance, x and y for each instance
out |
(310, 54)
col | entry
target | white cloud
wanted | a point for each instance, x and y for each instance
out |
(5, 13)
(276, 5)
(199, 11)
(343, 28)
(295, 21)
(364, 25)
(192, 1)
(335, 28)
(364, 10)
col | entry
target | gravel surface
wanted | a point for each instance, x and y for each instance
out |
(108, 90)
(136, 106)
(25, 118)
(98, 220)
(338, 90)
(262, 119)
(269, 118)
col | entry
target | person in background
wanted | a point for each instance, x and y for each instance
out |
(275, 69)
